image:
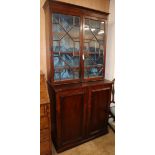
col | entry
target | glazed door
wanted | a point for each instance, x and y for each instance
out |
(66, 47)
(71, 113)
(78, 48)
(94, 48)
(98, 110)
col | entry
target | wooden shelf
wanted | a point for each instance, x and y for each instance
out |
(91, 66)
(101, 53)
(70, 53)
(58, 69)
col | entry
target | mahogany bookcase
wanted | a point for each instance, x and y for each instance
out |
(76, 54)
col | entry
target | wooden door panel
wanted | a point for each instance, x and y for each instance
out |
(98, 113)
(72, 114)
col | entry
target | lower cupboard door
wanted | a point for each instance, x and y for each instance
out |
(98, 110)
(71, 112)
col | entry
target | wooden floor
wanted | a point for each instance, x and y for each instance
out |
(104, 145)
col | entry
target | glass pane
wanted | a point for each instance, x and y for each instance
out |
(66, 21)
(75, 33)
(93, 59)
(66, 74)
(56, 46)
(99, 35)
(66, 46)
(58, 32)
(101, 49)
(76, 21)
(57, 61)
(94, 48)
(90, 60)
(57, 76)
(86, 47)
(66, 60)
(76, 75)
(102, 25)
(94, 24)
(56, 18)
(88, 34)
(77, 46)
(93, 72)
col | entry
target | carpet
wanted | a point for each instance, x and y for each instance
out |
(104, 145)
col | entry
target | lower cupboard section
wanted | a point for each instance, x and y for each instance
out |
(79, 114)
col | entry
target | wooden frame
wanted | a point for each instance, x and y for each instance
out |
(51, 7)
(77, 104)
(104, 58)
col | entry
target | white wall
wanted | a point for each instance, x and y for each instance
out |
(110, 52)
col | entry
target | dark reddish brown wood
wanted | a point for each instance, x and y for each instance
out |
(70, 104)
(61, 53)
(60, 7)
(105, 39)
(80, 112)
(80, 107)
(98, 109)
(64, 87)
(66, 81)
(81, 47)
(72, 107)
